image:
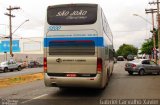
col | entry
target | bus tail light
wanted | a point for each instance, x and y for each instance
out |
(99, 65)
(45, 64)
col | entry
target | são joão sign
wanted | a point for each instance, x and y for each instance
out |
(72, 15)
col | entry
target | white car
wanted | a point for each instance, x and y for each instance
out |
(10, 65)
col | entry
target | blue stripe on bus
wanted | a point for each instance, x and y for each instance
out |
(99, 42)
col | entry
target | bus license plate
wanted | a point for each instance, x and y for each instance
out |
(71, 75)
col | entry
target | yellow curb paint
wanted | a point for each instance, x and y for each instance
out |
(20, 79)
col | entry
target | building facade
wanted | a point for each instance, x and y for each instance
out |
(24, 49)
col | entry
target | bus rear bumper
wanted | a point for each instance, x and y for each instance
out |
(88, 82)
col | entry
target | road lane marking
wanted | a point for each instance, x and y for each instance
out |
(40, 96)
(35, 98)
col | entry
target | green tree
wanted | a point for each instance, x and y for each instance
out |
(156, 35)
(147, 47)
(126, 49)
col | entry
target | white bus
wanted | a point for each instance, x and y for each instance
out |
(78, 46)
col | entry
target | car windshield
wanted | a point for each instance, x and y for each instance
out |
(3, 63)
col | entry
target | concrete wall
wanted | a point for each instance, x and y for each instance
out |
(30, 49)
(33, 45)
(23, 57)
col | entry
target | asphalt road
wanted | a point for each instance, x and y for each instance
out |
(120, 88)
(22, 72)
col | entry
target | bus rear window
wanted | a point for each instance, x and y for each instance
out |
(84, 47)
(74, 14)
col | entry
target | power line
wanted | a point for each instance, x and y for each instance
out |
(26, 38)
(20, 37)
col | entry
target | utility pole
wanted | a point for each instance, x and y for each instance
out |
(158, 30)
(158, 20)
(152, 11)
(10, 25)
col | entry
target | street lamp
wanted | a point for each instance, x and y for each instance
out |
(142, 18)
(12, 34)
(19, 26)
(154, 40)
(15, 29)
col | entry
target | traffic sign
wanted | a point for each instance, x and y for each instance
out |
(5, 46)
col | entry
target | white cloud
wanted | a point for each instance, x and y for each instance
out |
(119, 14)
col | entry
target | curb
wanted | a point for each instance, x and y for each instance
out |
(20, 79)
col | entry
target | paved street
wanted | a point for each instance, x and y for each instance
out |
(121, 86)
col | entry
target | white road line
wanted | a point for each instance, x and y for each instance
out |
(34, 98)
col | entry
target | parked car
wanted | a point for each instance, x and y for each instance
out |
(10, 65)
(130, 57)
(142, 66)
(120, 58)
(24, 64)
(34, 64)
